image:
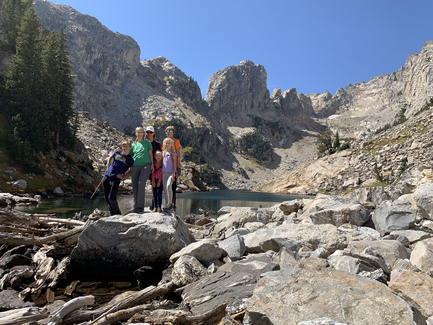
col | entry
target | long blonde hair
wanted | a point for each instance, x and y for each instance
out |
(164, 146)
(144, 134)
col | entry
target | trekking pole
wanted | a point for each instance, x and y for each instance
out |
(97, 187)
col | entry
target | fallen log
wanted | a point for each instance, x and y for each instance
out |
(17, 273)
(123, 301)
(70, 306)
(22, 316)
(53, 277)
(68, 222)
(212, 317)
(23, 230)
(125, 314)
(64, 239)
(45, 272)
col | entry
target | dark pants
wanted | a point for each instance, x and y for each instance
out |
(111, 187)
(157, 196)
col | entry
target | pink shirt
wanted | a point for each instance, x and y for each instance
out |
(157, 172)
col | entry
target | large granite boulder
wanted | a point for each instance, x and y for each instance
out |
(186, 270)
(396, 215)
(314, 236)
(423, 197)
(205, 251)
(118, 245)
(390, 250)
(422, 256)
(340, 214)
(239, 217)
(234, 288)
(416, 287)
(375, 195)
(312, 290)
(234, 246)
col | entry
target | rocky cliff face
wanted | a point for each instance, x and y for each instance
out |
(113, 86)
(239, 117)
(401, 155)
(369, 105)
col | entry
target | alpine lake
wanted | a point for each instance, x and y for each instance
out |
(186, 202)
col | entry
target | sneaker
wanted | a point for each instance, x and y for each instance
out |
(158, 210)
(169, 208)
(154, 209)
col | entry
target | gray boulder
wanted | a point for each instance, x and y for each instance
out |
(340, 214)
(255, 265)
(221, 287)
(291, 206)
(412, 235)
(234, 246)
(313, 291)
(321, 321)
(390, 250)
(20, 184)
(118, 245)
(422, 256)
(396, 215)
(239, 217)
(292, 236)
(349, 264)
(204, 251)
(375, 195)
(187, 270)
(423, 197)
(58, 190)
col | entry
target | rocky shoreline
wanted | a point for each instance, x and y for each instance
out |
(362, 258)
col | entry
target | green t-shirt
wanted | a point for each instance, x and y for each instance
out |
(140, 152)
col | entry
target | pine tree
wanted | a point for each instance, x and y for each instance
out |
(25, 84)
(324, 143)
(12, 12)
(337, 143)
(59, 91)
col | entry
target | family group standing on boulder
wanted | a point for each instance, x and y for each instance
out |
(145, 160)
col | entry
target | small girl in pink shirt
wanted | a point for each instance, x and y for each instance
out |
(157, 185)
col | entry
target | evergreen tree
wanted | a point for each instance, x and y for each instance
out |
(59, 91)
(337, 143)
(12, 12)
(25, 84)
(324, 143)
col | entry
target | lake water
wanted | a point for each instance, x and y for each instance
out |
(187, 202)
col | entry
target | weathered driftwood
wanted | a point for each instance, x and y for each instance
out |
(23, 230)
(71, 288)
(64, 239)
(22, 315)
(125, 314)
(212, 317)
(46, 272)
(19, 218)
(42, 272)
(123, 301)
(71, 305)
(66, 222)
(54, 276)
(15, 274)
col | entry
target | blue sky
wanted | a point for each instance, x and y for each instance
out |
(312, 46)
